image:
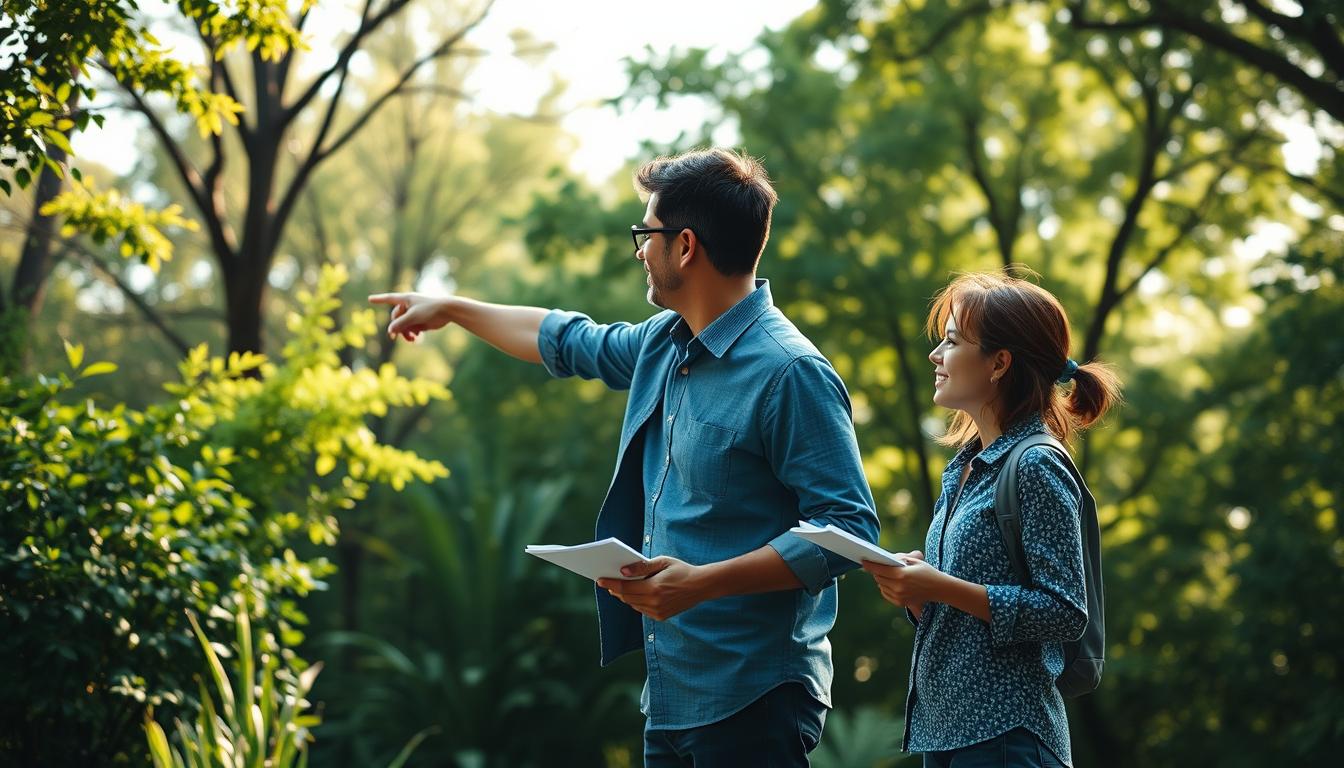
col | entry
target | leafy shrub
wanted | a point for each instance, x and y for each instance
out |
(113, 522)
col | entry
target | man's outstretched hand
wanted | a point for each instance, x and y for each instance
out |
(412, 313)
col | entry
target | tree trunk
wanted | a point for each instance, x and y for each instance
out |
(245, 279)
(244, 291)
(35, 262)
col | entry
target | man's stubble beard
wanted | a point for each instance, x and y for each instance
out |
(672, 283)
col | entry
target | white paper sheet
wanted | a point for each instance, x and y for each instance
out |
(596, 560)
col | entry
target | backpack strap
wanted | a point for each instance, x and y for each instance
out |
(1083, 658)
(1006, 505)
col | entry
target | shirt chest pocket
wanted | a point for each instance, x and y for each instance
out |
(702, 454)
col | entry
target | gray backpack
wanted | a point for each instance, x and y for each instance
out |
(1083, 658)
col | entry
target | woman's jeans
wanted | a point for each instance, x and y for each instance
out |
(1018, 748)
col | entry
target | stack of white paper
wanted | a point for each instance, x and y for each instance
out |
(596, 560)
(845, 544)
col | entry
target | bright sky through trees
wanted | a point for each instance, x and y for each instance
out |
(591, 39)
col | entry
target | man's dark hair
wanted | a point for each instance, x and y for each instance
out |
(723, 196)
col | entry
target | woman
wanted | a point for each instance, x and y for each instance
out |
(988, 649)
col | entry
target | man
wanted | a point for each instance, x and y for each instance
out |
(736, 427)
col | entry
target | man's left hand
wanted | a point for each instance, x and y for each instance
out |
(664, 587)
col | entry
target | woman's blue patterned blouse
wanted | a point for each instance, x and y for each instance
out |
(970, 680)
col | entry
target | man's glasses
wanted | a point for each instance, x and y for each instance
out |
(641, 234)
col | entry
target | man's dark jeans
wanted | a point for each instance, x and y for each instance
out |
(775, 731)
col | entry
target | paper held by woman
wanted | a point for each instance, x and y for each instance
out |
(846, 544)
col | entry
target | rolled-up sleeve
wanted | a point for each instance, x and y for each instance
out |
(1053, 608)
(810, 444)
(571, 344)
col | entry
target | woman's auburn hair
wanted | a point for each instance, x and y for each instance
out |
(996, 311)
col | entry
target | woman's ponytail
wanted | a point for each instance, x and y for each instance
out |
(1096, 389)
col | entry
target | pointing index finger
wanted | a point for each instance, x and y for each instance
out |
(387, 298)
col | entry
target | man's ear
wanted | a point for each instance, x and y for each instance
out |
(687, 243)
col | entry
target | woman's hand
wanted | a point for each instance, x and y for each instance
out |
(909, 586)
(914, 585)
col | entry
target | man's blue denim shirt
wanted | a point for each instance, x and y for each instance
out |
(971, 680)
(730, 438)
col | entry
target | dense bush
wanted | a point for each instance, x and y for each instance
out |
(113, 522)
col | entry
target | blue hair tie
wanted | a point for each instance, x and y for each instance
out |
(1070, 368)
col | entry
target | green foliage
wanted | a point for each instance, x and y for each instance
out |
(110, 216)
(264, 720)
(500, 646)
(56, 41)
(1239, 569)
(114, 521)
(866, 738)
(308, 415)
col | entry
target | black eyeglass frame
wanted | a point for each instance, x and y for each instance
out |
(636, 231)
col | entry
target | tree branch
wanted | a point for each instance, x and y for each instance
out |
(973, 145)
(950, 25)
(189, 175)
(367, 25)
(440, 51)
(1334, 196)
(1320, 35)
(195, 186)
(220, 75)
(318, 153)
(1109, 81)
(136, 299)
(1143, 186)
(1324, 93)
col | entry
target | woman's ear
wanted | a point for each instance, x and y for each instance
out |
(1003, 360)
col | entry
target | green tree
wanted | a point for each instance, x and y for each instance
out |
(50, 48)
(287, 131)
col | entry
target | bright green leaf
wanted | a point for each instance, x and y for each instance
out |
(325, 464)
(73, 353)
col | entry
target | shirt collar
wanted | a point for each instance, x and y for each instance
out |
(1029, 425)
(718, 336)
